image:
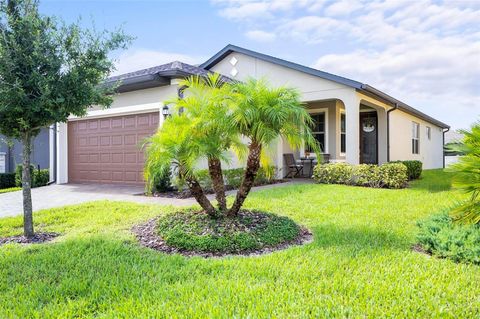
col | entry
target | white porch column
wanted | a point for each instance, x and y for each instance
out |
(352, 114)
(52, 146)
(62, 153)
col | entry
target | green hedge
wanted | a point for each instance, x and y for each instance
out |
(7, 180)
(233, 178)
(40, 177)
(390, 175)
(414, 168)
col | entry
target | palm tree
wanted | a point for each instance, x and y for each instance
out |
(214, 119)
(467, 176)
(175, 144)
(263, 114)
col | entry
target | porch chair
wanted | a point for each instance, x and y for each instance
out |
(294, 169)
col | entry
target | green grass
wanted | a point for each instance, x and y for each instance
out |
(360, 264)
(11, 189)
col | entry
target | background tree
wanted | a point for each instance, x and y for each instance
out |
(467, 175)
(48, 71)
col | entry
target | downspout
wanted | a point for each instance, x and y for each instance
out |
(443, 145)
(53, 160)
(388, 130)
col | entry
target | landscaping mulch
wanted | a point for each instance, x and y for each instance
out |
(147, 236)
(186, 193)
(38, 238)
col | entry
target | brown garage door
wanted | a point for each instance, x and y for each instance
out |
(108, 150)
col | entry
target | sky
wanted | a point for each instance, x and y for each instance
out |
(425, 53)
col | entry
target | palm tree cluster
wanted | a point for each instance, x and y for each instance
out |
(467, 175)
(218, 118)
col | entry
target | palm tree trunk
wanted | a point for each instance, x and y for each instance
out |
(199, 195)
(253, 164)
(215, 170)
(27, 187)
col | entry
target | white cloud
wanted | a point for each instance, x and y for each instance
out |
(260, 36)
(343, 8)
(426, 53)
(143, 58)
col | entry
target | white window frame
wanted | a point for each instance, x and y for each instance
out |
(316, 111)
(428, 130)
(415, 137)
(342, 112)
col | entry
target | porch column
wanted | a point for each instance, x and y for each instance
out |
(352, 114)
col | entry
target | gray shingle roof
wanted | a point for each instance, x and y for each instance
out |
(168, 69)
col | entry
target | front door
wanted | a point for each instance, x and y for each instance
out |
(368, 138)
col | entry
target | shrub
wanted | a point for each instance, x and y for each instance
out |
(160, 182)
(394, 175)
(441, 237)
(367, 175)
(333, 173)
(40, 177)
(414, 168)
(390, 175)
(233, 178)
(251, 230)
(7, 180)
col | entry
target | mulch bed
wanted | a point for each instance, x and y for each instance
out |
(186, 193)
(147, 236)
(38, 238)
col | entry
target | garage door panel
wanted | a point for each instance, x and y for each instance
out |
(109, 150)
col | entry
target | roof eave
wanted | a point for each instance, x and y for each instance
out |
(402, 106)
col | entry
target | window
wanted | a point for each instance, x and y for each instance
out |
(429, 133)
(415, 138)
(343, 133)
(318, 130)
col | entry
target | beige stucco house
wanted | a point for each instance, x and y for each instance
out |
(354, 122)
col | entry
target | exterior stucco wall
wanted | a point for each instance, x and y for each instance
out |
(40, 151)
(141, 97)
(311, 87)
(431, 151)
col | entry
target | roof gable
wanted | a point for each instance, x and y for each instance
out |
(219, 56)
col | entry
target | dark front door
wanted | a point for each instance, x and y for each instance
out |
(368, 138)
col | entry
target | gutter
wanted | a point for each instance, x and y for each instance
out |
(54, 155)
(443, 145)
(402, 106)
(388, 130)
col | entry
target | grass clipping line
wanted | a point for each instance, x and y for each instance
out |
(193, 233)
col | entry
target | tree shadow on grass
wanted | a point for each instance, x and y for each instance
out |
(357, 238)
(433, 181)
(86, 274)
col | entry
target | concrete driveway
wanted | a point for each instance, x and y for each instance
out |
(70, 194)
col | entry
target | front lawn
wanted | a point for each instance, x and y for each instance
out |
(360, 264)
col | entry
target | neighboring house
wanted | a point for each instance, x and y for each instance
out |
(11, 152)
(354, 122)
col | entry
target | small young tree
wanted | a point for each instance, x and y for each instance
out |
(48, 71)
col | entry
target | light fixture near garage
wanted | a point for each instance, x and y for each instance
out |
(165, 112)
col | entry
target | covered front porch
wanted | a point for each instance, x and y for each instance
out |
(350, 129)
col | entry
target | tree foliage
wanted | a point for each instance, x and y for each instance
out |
(48, 71)
(216, 119)
(467, 175)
